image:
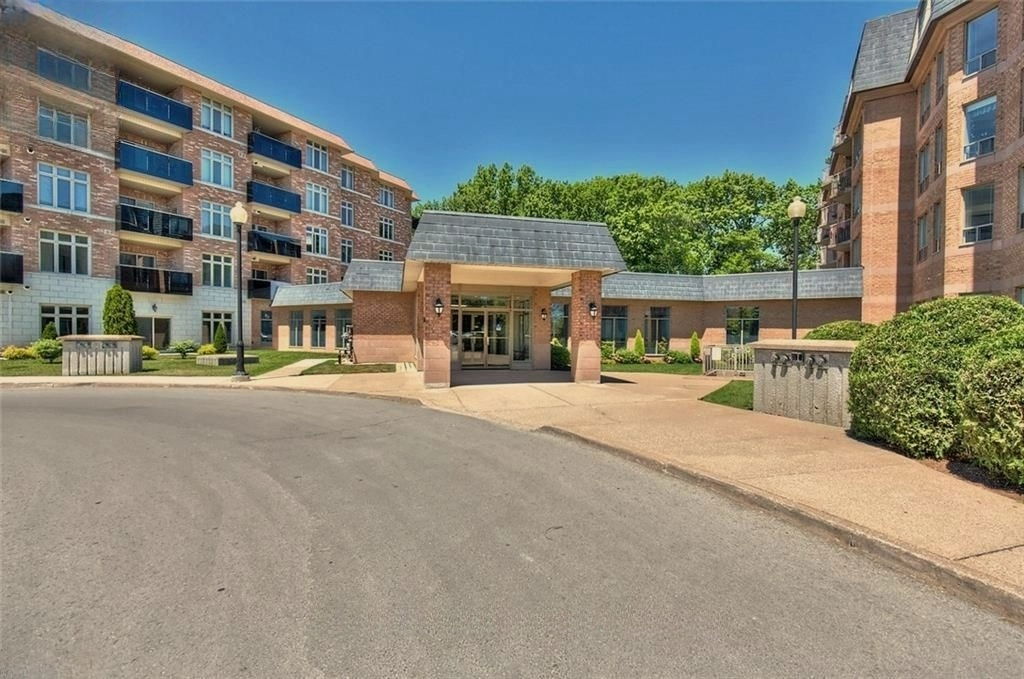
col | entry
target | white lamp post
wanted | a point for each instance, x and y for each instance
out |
(797, 209)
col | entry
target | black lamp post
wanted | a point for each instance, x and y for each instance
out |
(797, 209)
(239, 217)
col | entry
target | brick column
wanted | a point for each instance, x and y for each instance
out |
(540, 334)
(586, 330)
(437, 352)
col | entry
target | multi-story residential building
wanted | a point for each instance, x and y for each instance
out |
(925, 184)
(119, 165)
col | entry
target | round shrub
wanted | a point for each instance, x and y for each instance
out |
(992, 398)
(207, 350)
(627, 356)
(607, 350)
(840, 330)
(149, 353)
(560, 356)
(48, 349)
(904, 374)
(14, 353)
(183, 347)
(677, 357)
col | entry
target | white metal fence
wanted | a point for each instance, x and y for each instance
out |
(728, 360)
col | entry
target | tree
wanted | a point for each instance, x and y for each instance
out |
(49, 331)
(220, 339)
(48, 349)
(694, 347)
(119, 312)
(638, 343)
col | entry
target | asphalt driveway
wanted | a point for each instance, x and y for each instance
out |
(233, 533)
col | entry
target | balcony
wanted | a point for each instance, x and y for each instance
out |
(273, 248)
(12, 268)
(12, 196)
(273, 157)
(261, 288)
(271, 202)
(157, 281)
(152, 171)
(153, 227)
(841, 234)
(150, 114)
(824, 236)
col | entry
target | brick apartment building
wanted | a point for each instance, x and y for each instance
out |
(925, 183)
(120, 165)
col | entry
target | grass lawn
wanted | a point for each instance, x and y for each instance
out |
(737, 394)
(174, 365)
(667, 368)
(332, 368)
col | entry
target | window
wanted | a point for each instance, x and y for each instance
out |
(980, 128)
(347, 178)
(923, 168)
(940, 150)
(217, 271)
(133, 259)
(346, 250)
(560, 322)
(260, 275)
(318, 328)
(342, 327)
(315, 276)
(128, 200)
(857, 198)
(63, 70)
(348, 214)
(69, 320)
(216, 117)
(385, 255)
(316, 198)
(924, 98)
(658, 332)
(1021, 112)
(613, 325)
(980, 52)
(1019, 295)
(854, 252)
(938, 227)
(742, 324)
(386, 228)
(1020, 198)
(212, 319)
(266, 326)
(295, 322)
(62, 126)
(386, 197)
(215, 219)
(922, 237)
(858, 145)
(63, 253)
(218, 168)
(63, 188)
(940, 75)
(979, 210)
(316, 240)
(316, 156)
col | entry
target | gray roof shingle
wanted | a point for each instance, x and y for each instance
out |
(884, 52)
(373, 275)
(304, 295)
(465, 238)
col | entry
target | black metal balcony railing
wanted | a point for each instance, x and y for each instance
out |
(842, 180)
(154, 105)
(274, 149)
(12, 196)
(147, 161)
(142, 279)
(842, 233)
(266, 194)
(824, 235)
(272, 243)
(12, 268)
(154, 222)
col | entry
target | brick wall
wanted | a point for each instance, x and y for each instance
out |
(383, 327)
(585, 329)
(436, 328)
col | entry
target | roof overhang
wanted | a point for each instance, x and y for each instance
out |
(496, 275)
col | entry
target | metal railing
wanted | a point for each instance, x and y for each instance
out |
(11, 196)
(274, 244)
(138, 158)
(267, 194)
(144, 279)
(154, 104)
(981, 147)
(154, 222)
(274, 149)
(730, 359)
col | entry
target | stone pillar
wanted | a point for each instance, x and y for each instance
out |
(540, 334)
(437, 348)
(586, 329)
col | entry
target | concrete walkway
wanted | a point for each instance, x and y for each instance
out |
(292, 369)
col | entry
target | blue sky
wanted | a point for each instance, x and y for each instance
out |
(431, 90)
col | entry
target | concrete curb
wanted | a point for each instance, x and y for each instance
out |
(986, 592)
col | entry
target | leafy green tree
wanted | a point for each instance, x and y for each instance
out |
(694, 347)
(49, 331)
(220, 339)
(119, 312)
(638, 343)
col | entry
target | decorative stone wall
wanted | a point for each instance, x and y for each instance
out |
(101, 355)
(803, 379)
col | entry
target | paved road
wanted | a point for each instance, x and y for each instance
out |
(222, 533)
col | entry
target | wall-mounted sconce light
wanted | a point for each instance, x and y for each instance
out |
(438, 306)
(544, 314)
(154, 307)
(593, 310)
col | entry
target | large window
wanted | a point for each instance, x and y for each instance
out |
(560, 323)
(1020, 198)
(923, 167)
(922, 237)
(295, 322)
(857, 199)
(217, 271)
(266, 326)
(62, 126)
(940, 75)
(979, 212)
(318, 328)
(316, 156)
(348, 214)
(980, 128)
(940, 150)
(342, 327)
(613, 325)
(386, 228)
(316, 198)
(742, 324)
(136, 260)
(212, 319)
(217, 168)
(658, 331)
(315, 276)
(63, 253)
(858, 145)
(63, 70)
(216, 117)
(316, 240)
(980, 42)
(386, 197)
(347, 178)
(69, 320)
(215, 219)
(346, 250)
(924, 98)
(63, 188)
(938, 227)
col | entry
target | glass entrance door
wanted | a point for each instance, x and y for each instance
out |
(497, 339)
(484, 339)
(472, 345)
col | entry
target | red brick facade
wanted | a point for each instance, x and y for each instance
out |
(585, 328)
(435, 329)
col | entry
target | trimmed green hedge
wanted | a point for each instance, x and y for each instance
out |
(841, 330)
(560, 356)
(904, 375)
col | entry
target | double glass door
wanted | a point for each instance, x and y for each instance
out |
(484, 339)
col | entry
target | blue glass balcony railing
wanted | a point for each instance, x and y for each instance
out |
(153, 163)
(154, 222)
(274, 149)
(258, 192)
(163, 281)
(12, 268)
(154, 105)
(274, 244)
(12, 196)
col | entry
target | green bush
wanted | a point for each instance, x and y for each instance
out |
(840, 330)
(627, 356)
(992, 401)
(49, 331)
(14, 353)
(607, 350)
(48, 349)
(638, 343)
(184, 347)
(149, 353)
(208, 350)
(220, 339)
(677, 357)
(694, 347)
(119, 312)
(904, 375)
(560, 356)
